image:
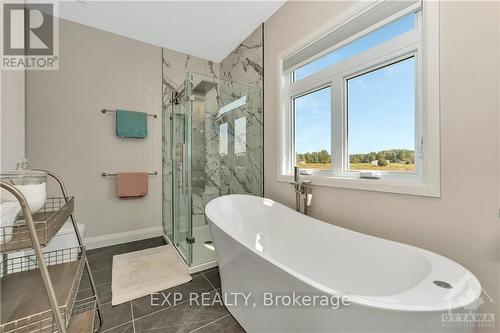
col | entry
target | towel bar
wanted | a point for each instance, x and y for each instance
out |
(113, 111)
(111, 174)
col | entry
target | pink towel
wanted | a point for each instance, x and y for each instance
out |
(131, 184)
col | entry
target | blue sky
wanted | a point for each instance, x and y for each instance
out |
(381, 109)
(312, 121)
(380, 103)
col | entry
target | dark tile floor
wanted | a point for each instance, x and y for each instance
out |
(140, 316)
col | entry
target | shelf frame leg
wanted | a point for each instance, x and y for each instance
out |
(80, 242)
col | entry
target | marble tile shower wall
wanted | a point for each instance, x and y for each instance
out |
(232, 173)
(240, 171)
(244, 66)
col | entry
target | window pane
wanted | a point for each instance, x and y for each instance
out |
(223, 143)
(313, 129)
(385, 33)
(240, 135)
(381, 118)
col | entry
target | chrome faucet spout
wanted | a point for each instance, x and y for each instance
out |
(296, 172)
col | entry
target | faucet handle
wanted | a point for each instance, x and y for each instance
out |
(309, 197)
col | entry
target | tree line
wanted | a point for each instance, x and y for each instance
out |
(383, 157)
(322, 157)
(392, 155)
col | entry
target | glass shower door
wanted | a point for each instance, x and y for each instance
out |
(181, 169)
(226, 151)
(212, 147)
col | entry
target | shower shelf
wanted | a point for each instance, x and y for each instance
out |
(24, 303)
(47, 222)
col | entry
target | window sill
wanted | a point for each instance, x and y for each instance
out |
(378, 185)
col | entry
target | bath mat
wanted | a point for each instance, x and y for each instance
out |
(141, 273)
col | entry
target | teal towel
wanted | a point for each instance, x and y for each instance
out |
(130, 124)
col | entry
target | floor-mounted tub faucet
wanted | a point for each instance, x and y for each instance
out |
(302, 188)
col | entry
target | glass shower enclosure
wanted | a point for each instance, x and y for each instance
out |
(213, 146)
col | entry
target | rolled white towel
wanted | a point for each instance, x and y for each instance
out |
(35, 194)
(8, 214)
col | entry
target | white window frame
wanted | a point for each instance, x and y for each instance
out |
(422, 43)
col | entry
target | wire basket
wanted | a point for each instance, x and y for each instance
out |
(84, 305)
(83, 316)
(48, 220)
(17, 271)
(46, 323)
(43, 322)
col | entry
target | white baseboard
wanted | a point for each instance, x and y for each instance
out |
(122, 237)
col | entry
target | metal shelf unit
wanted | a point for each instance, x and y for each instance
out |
(38, 289)
(48, 221)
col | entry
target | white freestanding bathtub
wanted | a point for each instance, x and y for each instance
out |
(274, 253)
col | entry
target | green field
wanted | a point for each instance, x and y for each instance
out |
(320, 166)
(362, 166)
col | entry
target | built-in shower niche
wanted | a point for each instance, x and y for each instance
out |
(216, 139)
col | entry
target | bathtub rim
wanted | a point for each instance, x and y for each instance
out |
(369, 301)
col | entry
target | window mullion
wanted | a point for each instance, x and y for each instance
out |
(287, 127)
(337, 125)
(419, 151)
(290, 135)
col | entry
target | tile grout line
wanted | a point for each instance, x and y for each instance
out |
(97, 285)
(207, 324)
(112, 328)
(210, 283)
(100, 270)
(167, 308)
(133, 319)
(171, 306)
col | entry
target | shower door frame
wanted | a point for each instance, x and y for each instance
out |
(186, 156)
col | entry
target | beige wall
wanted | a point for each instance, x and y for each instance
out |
(67, 133)
(11, 118)
(498, 137)
(463, 224)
